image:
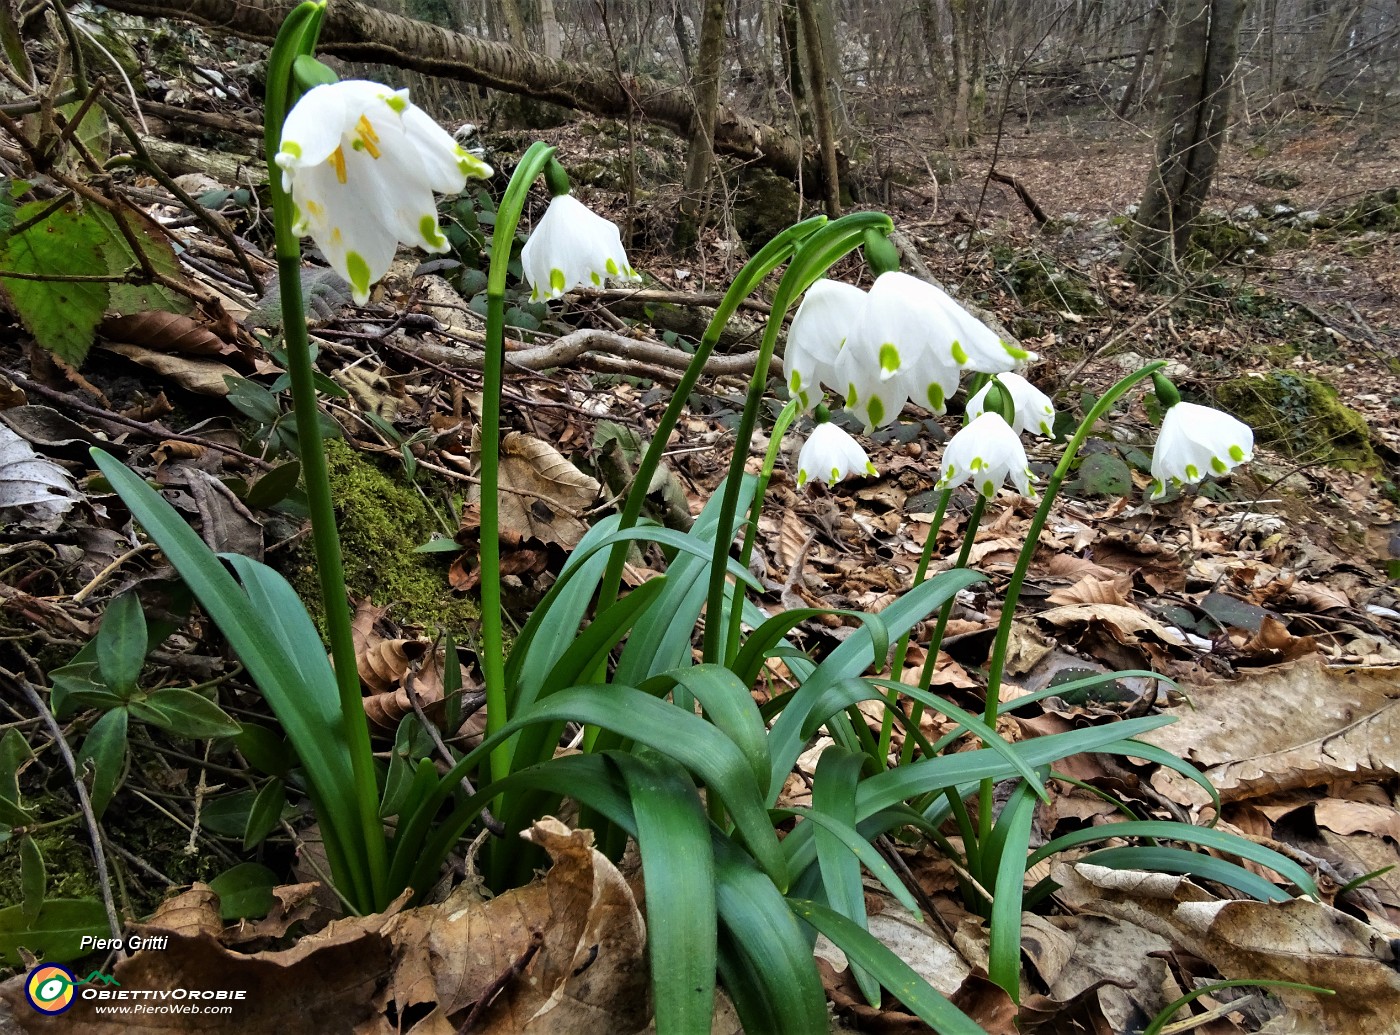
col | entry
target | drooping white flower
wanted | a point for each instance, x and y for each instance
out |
(572, 246)
(830, 454)
(976, 346)
(361, 164)
(899, 349)
(1034, 410)
(1196, 441)
(819, 328)
(987, 453)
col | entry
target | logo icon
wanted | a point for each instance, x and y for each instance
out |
(50, 988)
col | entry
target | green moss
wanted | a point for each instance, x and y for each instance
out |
(1302, 417)
(381, 521)
(1038, 280)
(767, 204)
(68, 865)
(1379, 210)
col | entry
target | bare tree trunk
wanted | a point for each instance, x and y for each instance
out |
(515, 23)
(700, 155)
(1152, 40)
(357, 32)
(932, 24)
(1197, 93)
(969, 86)
(821, 107)
(549, 31)
(685, 39)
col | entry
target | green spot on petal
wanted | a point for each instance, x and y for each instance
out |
(1218, 465)
(989, 488)
(291, 147)
(1014, 352)
(1193, 473)
(889, 358)
(611, 267)
(835, 476)
(597, 280)
(977, 464)
(876, 409)
(358, 270)
(851, 397)
(428, 228)
(959, 353)
(935, 397)
(795, 385)
(556, 281)
(1237, 454)
(396, 103)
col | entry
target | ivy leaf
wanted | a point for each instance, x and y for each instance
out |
(62, 315)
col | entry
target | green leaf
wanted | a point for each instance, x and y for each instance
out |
(184, 713)
(32, 879)
(227, 815)
(14, 751)
(1004, 859)
(104, 751)
(56, 934)
(673, 836)
(892, 972)
(140, 298)
(264, 749)
(274, 486)
(1195, 864)
(411, 743)
(266, 811)
(253, 400)
(62, 315)
(244, 890)
(833, 793)
(121, 644)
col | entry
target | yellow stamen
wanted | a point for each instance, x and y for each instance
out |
(368, 137)
(338, 160)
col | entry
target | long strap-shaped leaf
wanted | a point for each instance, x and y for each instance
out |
(293, 688)
(673, 836)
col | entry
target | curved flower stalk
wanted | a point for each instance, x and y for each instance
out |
(1034, 411)
(818, 332)
(1196, 441)
(572, 246)
(988, 453)
(361, 163)
(830, 454)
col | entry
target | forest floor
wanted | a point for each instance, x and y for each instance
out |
(1271, 598)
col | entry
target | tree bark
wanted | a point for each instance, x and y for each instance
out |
(357, 32)
(1196, 109)
(969, 87)
(821, 107)
(700, 154)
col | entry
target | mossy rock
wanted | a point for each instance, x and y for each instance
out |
(381, 521)
(767, 204)
(1277, 179)
(1038, 280)
(1302, 417)
(1379, 210)
(1218, 238)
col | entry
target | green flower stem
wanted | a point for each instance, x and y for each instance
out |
(736, 608)
(901, 649)
(812, 260)
(493, 657)
(298, 36)
(974, 520)
(1000, 646)
(769, 257)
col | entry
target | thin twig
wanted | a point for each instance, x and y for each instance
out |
(104, 881)
(489, 821)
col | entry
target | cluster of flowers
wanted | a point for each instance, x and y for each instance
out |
(902, 341)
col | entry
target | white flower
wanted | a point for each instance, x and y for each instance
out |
(1034, 410)
(912, 343)
(899, 348)
(362, 164)
(571, 247)
(1196, 441)
(831, 454)
(987, 453)
(818, 331)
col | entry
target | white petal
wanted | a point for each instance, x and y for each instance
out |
(314, 127)
(986, 452)
(1196, 441)
(571, 247)
(830, 454)
(816, 336)
(1033, 409)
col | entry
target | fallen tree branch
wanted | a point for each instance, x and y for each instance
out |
(359, 32)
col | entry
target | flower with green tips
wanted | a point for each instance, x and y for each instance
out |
(818, 333)
(1196, 441)
(572, 246)
(361, 164)
(1034, 410)
(829, 455)
(987, 453)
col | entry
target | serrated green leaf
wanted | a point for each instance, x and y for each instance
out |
(56, 934)
(185, 714)
(121, 644)
(105, 750)
(32, 879)
(140, 298)
(244, 890)
(62, 315)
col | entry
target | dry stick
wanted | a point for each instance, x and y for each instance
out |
(84, 802)
(1036, 211)
(489, 821)
(494, 989)
(150, 429)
